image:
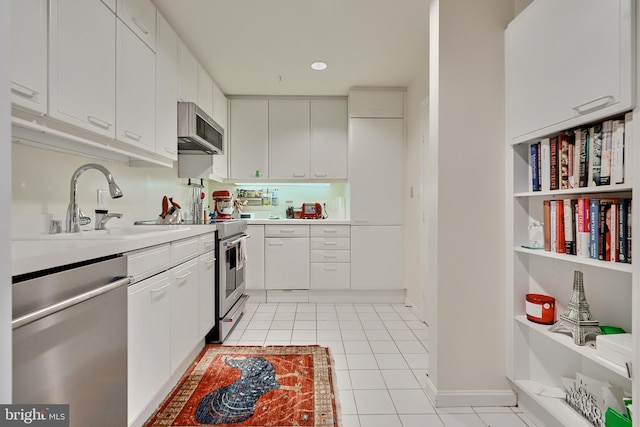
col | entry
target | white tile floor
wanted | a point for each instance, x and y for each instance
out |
(381, 359)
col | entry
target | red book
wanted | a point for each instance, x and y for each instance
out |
(560, 240)
(582, 228)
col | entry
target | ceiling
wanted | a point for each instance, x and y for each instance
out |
(265, 47)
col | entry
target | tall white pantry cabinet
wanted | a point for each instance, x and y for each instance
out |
(555, 82)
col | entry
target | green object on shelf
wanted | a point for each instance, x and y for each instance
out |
(608, 330)
(614, 419)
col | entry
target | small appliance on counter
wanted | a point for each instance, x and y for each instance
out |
(223, 203)
(312, 211)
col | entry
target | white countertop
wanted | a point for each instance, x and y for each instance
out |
(33, 255)
(265, 221)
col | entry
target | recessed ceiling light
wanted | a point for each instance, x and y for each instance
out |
(319, 66)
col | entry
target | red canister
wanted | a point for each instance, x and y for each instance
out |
(541, 308)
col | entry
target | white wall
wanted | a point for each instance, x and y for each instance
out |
(5, 197)
(417, 91)
(466, 93)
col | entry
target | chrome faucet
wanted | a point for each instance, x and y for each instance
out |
(75, 217)
(102, 216)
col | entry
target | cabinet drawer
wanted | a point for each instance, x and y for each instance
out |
(330, 276)
(330, 231)
(206, 243)
(330, 256)
(286, 231)
(183, 250)
(327, 243)
(146, 262)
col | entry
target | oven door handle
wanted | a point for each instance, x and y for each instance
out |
(39, 314)
(235, 242)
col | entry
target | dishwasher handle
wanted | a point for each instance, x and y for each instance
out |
(43, 312)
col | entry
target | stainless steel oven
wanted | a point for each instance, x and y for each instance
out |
(230, 280)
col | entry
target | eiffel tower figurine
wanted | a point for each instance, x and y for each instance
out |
(577, 318)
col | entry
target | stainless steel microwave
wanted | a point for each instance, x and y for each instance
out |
(197, 132)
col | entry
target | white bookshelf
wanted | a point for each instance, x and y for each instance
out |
(537, 358)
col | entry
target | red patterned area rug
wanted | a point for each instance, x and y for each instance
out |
(279, 386)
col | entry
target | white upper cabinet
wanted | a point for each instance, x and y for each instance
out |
(166, 90)
(568, 63)
(29, 54)
(205, 91)
(187, 74)
(249, 138)
(289, 139)
(135, 118)
(220, 114)
(82, 69)
(376, 103)
(375, 171)
(140, 17)
(328, 151)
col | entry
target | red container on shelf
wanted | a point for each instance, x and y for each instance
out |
(541, 308)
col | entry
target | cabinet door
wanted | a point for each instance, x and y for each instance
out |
(140, 17)
(332, 275)
(255, 253)
(166, 90)
(149, 340)
(289, 139)
(286, 263)
(249, 138)
(375, 171)
(377, 260)
(82, 67)
(184, 311)
(206, 293)
(376, 103)
(328, 139)
(582, 70)
(220, 114)
(136, 91)
(187, 74)
(29, 54)
(205, 91)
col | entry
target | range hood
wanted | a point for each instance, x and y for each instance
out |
(197, 132)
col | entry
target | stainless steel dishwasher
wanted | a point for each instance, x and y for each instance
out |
(70, 340)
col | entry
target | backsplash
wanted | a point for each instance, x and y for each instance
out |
(41, 185)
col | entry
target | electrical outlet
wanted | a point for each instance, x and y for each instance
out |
(102, 198)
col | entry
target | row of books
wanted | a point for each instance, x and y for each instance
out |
(589, 228)
(583, 157)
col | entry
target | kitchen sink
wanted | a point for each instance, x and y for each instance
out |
(114, 233)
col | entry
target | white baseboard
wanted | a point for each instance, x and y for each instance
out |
(457, 398)
(328, 296)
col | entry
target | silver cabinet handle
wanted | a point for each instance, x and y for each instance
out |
(330, 243)
(286, 231)
(23, 90)
(326, 230)
(98, 122)
(132, 135)
(299, 175)
(320, 174)
(275, 243)
(184, 276)
(160, 289)
(140, 25)
(39, 314)
(594, 105)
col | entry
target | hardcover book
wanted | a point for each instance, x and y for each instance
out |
(617, 152)
(534, 169)
(545, 164)
(554, 178)
(605, 158)
(595, 154)
(605, 227)
(559, 226)
(622, 230)
(594, 230)
(628, 145)
(546, 224)
(563, 156)
(582, 142)
(582, 228)
(569, 225)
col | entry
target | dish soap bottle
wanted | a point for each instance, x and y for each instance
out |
(274, 198)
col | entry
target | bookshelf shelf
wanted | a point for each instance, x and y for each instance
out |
(567, 341)
(616, 266)
(596, 191)
(558, 408)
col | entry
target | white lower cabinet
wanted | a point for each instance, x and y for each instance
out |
(330, 257)
(206, 293)
(330, 275)
(286, 258)
(377, 257)
(255, 257)
(184, 318)
(149, 340)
